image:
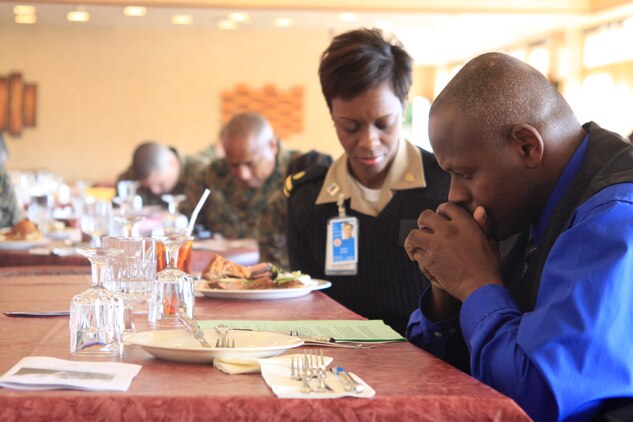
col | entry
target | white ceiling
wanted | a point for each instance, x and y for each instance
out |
(431, 37)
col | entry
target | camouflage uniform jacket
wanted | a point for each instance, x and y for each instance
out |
(233, 210)
(272, 223)
(190, 166)
(9, 208)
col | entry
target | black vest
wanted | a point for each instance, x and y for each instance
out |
(608, 161)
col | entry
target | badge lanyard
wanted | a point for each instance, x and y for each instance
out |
(341, 250)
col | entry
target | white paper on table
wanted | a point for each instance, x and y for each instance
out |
(46, 373)
(276, 374)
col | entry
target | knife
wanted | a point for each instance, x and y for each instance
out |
(37, 314)
(349, 384)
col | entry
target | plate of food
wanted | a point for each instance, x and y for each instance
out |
(24, 235)
(227, 280)
(182, 346)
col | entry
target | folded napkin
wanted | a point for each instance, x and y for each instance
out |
(240, 365)
(237, 365)
(276, 373)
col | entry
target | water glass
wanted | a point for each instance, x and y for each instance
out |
(96, 315)
(132, 273)
(173, 291)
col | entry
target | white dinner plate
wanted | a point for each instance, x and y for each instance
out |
(61, 234)
(262, 294)
(22, 244)
(181, 346)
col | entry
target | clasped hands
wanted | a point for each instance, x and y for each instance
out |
(454, 250)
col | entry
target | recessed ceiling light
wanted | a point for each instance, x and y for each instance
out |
(282, 22)
(348, 17)
(182, 19)
(78, 16)
(239, 17)
(25, 19)
(22, 9)
(227, 24)
(135, 11)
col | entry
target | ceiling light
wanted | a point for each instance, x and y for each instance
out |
(348, 17)
(135, 11)
(227, 24)
(78, 16)
(25, 18)
(282, 22)
(239, 17)
(22, 9)
(182, 19)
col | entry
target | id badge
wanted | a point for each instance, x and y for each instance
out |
(341, 255)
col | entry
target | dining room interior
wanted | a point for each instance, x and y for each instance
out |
(168, 319)
(117, 80)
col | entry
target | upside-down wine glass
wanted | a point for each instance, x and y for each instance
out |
(96, 315)
(173, 290)
(176, 219)
(95, 219)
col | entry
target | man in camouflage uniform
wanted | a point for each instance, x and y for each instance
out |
(160, 170)
(9, 208)
(272, 233)
(244, 184)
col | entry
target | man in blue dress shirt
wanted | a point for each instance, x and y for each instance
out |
(547, 317)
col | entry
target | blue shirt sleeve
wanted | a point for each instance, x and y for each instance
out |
(560, 361)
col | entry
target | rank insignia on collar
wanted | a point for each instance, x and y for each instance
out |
(409, 177)
(333, 189)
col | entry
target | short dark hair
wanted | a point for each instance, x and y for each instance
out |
(148, 157)
(362, 59)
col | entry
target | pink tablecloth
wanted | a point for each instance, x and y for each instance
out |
(410, 384)
(201, 255)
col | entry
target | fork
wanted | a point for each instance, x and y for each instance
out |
(317, 369)
(223, 340)
(321, 373)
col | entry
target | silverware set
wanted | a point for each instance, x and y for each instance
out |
(311, 366)
(192, 326)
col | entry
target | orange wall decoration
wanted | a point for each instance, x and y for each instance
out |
(17, 104)
(283, 109)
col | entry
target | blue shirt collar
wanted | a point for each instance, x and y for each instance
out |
(559, 190)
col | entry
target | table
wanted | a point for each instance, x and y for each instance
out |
(410, 384)
(243, 253)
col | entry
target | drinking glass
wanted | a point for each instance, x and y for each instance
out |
(96, 315)
(174, 218)
(40, 210)
(132, 273)
(95, 219)
(173, 290)
(183, 254)
(127, 219)
(127, 215)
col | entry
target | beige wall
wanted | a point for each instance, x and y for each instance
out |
(103, 90)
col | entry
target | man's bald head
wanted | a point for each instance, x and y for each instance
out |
(149, 156)
(250, 147)
(504, 134)
(246, 127)
(497, 91)
(156, 167)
